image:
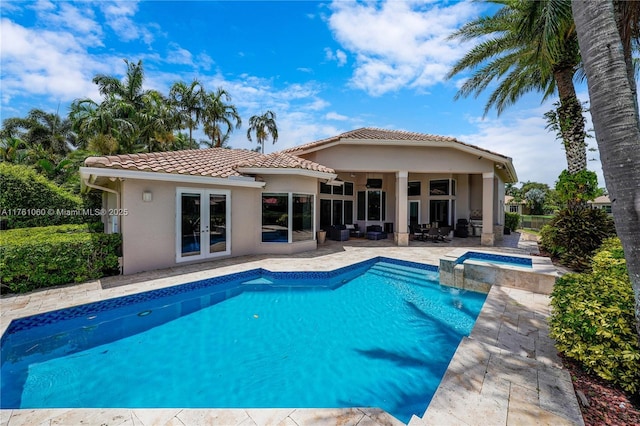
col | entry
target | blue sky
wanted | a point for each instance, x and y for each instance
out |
(323, 67)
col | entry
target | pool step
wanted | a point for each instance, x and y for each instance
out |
(400, 272)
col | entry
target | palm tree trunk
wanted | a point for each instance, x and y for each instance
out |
(571, 121)
(616, 124)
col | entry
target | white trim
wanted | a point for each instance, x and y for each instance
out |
(204, 214)
(488, 175)
(90, 173)
(299, 172)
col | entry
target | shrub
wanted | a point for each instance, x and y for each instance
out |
(574, 234)
(32, 258)
(593, 320)
(512, 220)
(23, 189)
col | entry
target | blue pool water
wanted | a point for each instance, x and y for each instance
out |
(496, 259)
(378, 334)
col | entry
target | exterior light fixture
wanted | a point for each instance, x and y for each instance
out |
(147, 196)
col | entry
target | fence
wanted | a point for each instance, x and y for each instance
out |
(534, 222)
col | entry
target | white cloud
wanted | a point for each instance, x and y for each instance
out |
(179, 55)
(338, 56)
(119, 17)
(48, 63)
(399, 43)
(335, 116)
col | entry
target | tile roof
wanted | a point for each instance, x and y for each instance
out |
(212, 162)
(372, 133)
(281, 160)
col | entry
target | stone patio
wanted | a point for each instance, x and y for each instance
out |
(505, 373)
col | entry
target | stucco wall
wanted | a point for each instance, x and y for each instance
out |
(392, 158)
(149, 229)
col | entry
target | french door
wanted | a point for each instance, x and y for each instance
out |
(203, 222)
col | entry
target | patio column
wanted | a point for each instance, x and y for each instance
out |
(487, 238)
(401, 234)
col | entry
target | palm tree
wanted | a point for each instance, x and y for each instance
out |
(603, 36)
(157, 122)
(48, 130)
(188, 100)
(263, 126)
(216, 113)
(128, 91)
(99, 127)
(531, 46)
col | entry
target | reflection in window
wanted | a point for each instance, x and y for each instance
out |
(373, 203)
(302, 224)
(276, 224)
(439, 187)
(442, 187)
(275, 218)
(217, 223)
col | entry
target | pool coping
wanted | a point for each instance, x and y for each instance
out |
(482, 371)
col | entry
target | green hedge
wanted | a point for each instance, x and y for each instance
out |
(593, 320)
(28, 199)
(511, 220)
(32, 258)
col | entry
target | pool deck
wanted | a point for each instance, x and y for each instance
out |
(506, 372)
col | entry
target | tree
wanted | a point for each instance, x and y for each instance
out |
(216, 113)
(612, 92)
(188, 100)
(527, 46)
(535, 198)
(263, 126)
(48, 130)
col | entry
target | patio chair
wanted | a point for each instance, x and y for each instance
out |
(443, 233)
(433, 234)
(417, 233)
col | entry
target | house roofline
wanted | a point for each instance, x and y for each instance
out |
(90, 173)
(286, 171)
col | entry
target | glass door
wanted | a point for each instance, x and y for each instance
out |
(202, 224)
(414, 213)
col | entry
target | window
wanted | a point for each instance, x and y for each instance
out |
(513, 208)
(439, 187)
(285, 214)
(348, 188)
(413, 189)
(302, 223)
(372, 205)
(348, 211)
(374, 183)
(324, 188)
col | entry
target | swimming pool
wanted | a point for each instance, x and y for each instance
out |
(380, 333)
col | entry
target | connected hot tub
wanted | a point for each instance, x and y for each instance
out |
(479, 270)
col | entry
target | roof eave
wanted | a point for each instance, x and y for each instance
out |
(91, 173)
(286, 171)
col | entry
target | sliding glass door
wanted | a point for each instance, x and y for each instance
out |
(203, 220)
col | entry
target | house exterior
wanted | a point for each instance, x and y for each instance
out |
(513, 206)
(602, 202)
(196, 205)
